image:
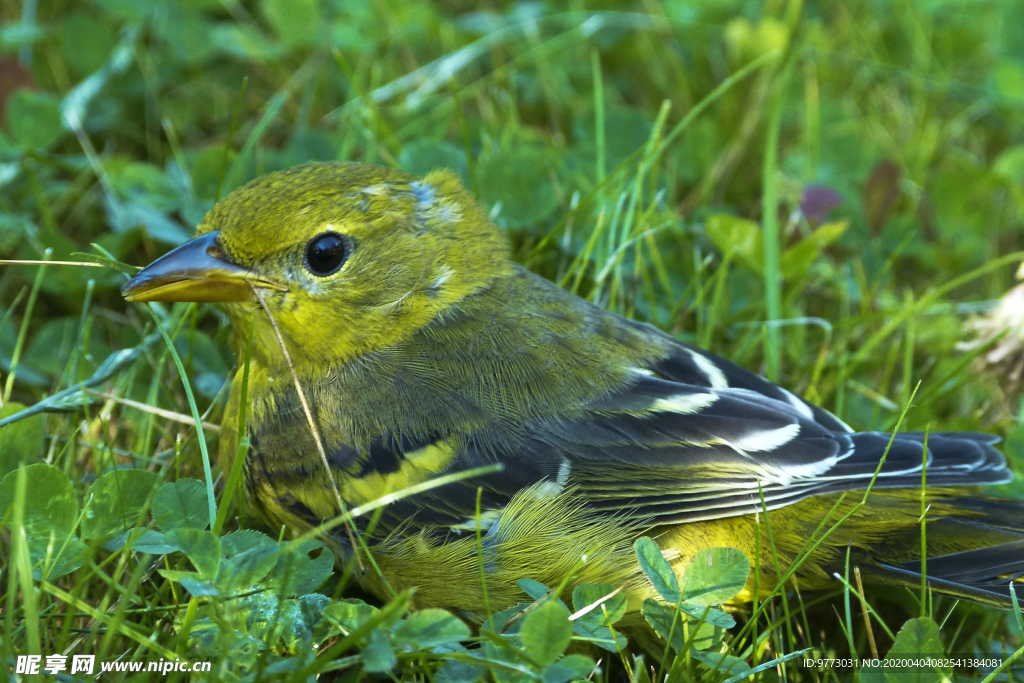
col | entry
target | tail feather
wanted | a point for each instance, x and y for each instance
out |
(987, 593)
(975, 545)
(974, 554)
(983, 565)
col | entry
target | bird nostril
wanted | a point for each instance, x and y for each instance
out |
(215, 251)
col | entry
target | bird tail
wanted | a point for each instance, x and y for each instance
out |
(975, 553)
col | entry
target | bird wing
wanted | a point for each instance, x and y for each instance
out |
(674, 452)
(691, 438)
(688, 364)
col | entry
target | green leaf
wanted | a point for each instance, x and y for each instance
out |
(798, 258)
(515, 673)
(666, 619)
(593, 625)
(918, 639)
(54, 556)
(297, 574)
(49, 496)
(455, 671)
(600, 635)
(202, 548)
(77, 101)
(247, 556)
(116, 502)
(378, 655)
(587, 594)
(148, 541)
(301, 620)
(34, 119)
(146, 183)
(721, 663)
(188, 38)
(508, 621)
(348, 615)
(20, 442)
(125, 216)
(535, 589)
(428, 628)
(657, 568)
(181, 504)
(53, 343)
(708, 614)
(739, 237)
(715, 575)
(85, 42)
(50, 512)
(420, 157)
(193, 582)
(546, 632)
(517, 183)
(568, 668)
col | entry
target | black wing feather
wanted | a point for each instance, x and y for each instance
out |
(694, 437)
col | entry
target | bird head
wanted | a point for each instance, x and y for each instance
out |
(345, 257)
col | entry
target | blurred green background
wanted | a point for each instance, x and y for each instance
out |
(825, 192)
(899, 124)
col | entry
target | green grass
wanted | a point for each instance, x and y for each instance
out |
(650, 156)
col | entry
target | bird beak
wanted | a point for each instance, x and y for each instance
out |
(198, 270)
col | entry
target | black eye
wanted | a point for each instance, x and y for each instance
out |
(325, 253)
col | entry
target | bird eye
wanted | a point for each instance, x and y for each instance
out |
(325, 254)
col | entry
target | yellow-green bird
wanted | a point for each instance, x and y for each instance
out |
(423, 350)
